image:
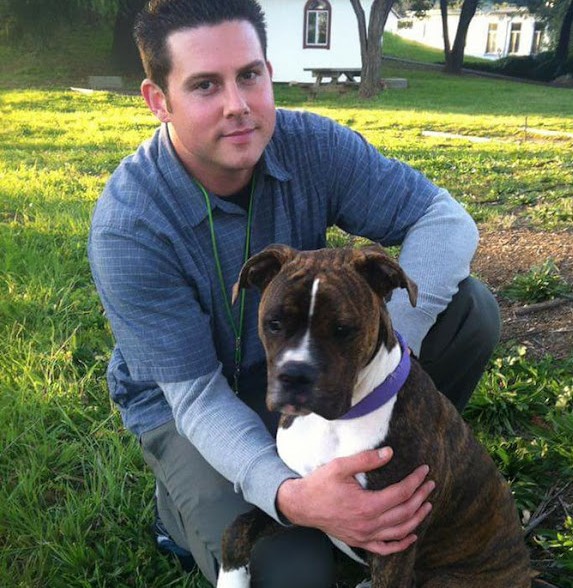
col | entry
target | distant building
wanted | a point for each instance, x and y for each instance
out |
(311, 33)
(493, 33)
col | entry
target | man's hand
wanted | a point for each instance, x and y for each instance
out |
(332, 500)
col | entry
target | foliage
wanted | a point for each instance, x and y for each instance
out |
(542, 67)
(540, 283)
(75, 495)
(40, 19)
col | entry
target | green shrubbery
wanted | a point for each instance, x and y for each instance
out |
(39, 21)
(542, 67)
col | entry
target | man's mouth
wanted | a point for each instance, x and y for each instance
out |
(239, 135)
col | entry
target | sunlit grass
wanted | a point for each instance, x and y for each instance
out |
(75, 496)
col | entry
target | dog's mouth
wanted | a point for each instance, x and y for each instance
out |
(292, 404)
(326, 406)
(293, 410)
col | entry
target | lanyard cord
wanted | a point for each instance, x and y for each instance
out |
(237, 329)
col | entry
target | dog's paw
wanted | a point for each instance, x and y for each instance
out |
(240, 578)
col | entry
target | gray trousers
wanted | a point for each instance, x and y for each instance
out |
(196, 503)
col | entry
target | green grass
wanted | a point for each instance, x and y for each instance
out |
(75, 496)
(396, 46)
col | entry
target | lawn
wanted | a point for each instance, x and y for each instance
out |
(75, 496)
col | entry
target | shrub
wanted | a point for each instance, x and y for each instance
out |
(542, 282)
(542, 67)
(40, 20)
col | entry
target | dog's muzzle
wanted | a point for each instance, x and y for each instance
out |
(295, 383)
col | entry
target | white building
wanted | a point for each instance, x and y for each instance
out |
(311, 33)
(497, 32)
(305, 34)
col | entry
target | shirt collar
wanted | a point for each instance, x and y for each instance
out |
(178, 178)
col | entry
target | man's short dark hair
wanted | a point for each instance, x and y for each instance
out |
(160, 18)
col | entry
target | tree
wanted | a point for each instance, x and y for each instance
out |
(564, 39)
(123, 50)
(371, 44)
(454, 54)
(39, 19)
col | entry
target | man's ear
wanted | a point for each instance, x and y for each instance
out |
(270, 68)
(156, 100)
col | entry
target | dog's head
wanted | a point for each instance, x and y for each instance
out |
(322, 318)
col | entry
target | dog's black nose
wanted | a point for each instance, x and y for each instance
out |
(297, 376)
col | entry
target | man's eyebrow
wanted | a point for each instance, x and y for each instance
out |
(253, 65)
(257, 63)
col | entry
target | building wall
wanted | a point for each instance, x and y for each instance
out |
(429, 31)
(285, 25)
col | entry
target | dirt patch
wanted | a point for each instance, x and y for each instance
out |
(506, 253)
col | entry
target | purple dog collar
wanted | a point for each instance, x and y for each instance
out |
(386, 390)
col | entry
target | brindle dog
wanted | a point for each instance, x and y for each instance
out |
(325, 328)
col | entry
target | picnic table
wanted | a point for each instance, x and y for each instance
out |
(333, 74)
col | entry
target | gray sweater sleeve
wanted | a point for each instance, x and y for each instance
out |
(436, 254)
(230, 436)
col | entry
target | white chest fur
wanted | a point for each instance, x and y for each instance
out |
(312, 441)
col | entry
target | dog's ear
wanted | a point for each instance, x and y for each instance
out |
(260, 269)
(383, 273)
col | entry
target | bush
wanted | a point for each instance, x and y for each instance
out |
(39, 19)
(542, 67)
(543, 282)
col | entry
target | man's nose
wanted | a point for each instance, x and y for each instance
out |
(235, 101)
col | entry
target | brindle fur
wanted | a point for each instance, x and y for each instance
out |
(472, 538)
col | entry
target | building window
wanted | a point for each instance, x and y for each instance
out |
(491, 44)
(537, 38)
(514, 34)
(317, 24)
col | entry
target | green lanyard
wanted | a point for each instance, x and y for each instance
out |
(237, 329)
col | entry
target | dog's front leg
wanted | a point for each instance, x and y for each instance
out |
(394, 571)
(238, 541)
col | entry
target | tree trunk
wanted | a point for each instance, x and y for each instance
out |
(124, 51)
(371, 44)
(562, 49)
(454, 57)
(445, 28)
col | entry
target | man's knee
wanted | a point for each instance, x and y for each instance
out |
(458, 347)
(471, 321)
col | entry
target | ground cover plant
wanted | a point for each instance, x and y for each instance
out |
(75, 497)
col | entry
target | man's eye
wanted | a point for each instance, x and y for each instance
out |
(204, 86)
(250, 76)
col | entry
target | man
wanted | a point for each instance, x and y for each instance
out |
(224, 176)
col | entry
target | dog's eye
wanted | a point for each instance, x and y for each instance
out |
(274, 326)
(343, 331)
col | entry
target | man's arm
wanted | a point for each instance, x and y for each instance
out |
(234, 441)
(230, 436)
(390, 202)
(436, 254)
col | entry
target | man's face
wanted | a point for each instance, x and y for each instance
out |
(219, 102)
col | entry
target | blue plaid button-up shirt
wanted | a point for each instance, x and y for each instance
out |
(151, 256)
(152, 259)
